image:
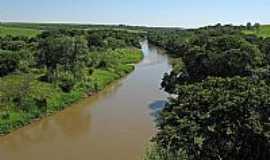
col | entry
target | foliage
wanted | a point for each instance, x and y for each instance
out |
(221, 96)
(218, 119)
(23, 97)
(12, 43)
(171, 40)
(15, 61)
(113, 39)
(266, 49)
(45, 74)
(8, 62)
(64, 51)
(154, 152)
(220, 55)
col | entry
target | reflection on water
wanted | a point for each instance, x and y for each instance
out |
(156, 107)
(153, 55)
(114, 124)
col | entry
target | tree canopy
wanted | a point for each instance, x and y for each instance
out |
(221, 97)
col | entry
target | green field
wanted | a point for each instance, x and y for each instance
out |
(264, 31)
(55, 26)
(15, 31)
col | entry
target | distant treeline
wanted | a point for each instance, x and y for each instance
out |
(72, 26)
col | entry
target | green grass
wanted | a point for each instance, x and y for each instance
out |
(264, 31)
(55, 26)
(101, 78)
(15, 31)
(129, 56)
(12, 118)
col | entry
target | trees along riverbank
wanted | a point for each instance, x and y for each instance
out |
(45, 74)
(222, 105)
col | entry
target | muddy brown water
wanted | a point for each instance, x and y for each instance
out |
(115, 124)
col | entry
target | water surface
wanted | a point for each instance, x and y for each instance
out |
(116, 124)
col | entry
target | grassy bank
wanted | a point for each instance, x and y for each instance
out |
(42, 99)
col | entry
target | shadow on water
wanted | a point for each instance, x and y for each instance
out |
(156, 107)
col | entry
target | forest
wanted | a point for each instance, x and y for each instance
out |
(42, 72)
(221, 95)
(219, 85)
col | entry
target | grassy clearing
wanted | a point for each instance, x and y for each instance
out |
(264, 31)
(15, 31)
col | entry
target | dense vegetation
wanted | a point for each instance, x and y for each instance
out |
(171, 39)
(220, 106)
(44, 74)
(220, 82)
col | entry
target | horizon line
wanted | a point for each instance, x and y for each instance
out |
(117, 24)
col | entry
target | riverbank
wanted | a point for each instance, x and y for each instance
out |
(117, 121)
(55, 99)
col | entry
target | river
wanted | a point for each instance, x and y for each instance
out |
(115, 124)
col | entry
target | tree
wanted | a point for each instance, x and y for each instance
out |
(218, 119)
(222, 56)
(16, 89)
(249, 26)
(265, 46)
(220, 107)
(67, 52)
(114, 43)
(257, 26)
(9, 62)
(95, 40)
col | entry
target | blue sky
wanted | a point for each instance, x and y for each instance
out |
(182, 13)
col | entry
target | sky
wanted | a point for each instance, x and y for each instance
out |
(174, 13)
